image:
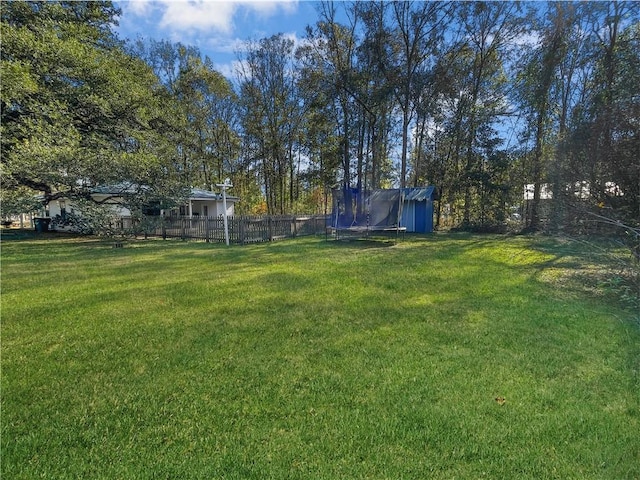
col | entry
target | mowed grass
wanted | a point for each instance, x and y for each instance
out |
(438, 357)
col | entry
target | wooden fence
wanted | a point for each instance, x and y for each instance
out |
(242, 229)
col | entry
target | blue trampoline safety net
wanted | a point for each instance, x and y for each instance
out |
(371, 210)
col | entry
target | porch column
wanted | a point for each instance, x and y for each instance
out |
(190, 208)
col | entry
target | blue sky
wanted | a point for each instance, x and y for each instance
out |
(217, 27)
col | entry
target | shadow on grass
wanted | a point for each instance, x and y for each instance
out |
(597, 267)
(362, 243)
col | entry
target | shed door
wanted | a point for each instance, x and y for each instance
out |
(421, 217)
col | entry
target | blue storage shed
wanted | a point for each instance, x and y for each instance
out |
(417, 210)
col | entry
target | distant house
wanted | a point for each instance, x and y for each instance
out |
(204, 203)
(580, 190)
(569, 209)
(200, 203)
(112, 195)
(546, 191)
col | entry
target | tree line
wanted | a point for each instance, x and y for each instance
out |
(479, 99)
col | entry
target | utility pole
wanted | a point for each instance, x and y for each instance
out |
(224, 186)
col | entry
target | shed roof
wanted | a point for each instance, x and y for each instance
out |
(419, 194)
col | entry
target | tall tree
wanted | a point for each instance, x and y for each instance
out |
(539, 87)
(614, 146)
(414, 31)
(379, 91)
(207, 102)
(204, 114)
(489, 32)
(341, 57)
(272, 116)
(332, 54)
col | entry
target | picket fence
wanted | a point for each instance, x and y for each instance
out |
(242, 229)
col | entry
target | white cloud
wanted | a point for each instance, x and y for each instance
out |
(220, 29)
(138, 7)
(197, 15)
(225, 45)
(231, 70)
(205, 15)
(268, 7)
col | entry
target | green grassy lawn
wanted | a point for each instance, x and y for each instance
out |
(307, 359)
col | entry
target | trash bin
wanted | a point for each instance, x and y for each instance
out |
(41, 224)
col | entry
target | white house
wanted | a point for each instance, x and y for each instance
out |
(580, 190)
(200, 203)
(112, 195)
(204, 203)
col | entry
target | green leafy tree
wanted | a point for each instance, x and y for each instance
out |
(406, 57)
(272, 117)
(330, 68)
(204, 125)
(539, 90)
(614, 109)
(77, 110)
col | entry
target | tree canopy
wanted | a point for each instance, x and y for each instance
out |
(77, 110)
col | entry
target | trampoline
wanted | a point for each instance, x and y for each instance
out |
(358, 213)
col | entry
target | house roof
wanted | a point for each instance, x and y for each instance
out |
(132, 188)
(199, 194)
(117, 188)
(419, 194)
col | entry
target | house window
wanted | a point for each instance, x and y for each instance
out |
(183, 210)
(152, 210)
(205, 210)
(63, 209)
